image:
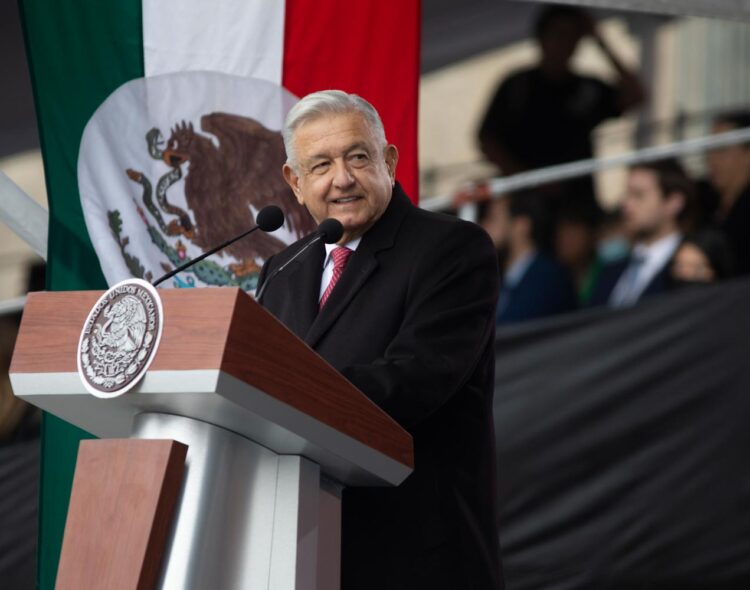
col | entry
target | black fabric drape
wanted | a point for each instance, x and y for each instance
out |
(622, 445)
(19, 500)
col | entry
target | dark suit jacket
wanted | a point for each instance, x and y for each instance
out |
(411, 324)
(611, 273)
(544, 289)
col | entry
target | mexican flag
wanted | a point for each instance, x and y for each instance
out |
(87, 57)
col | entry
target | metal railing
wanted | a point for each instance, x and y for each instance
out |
(498, 186)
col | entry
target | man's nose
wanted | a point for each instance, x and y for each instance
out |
(342, 177)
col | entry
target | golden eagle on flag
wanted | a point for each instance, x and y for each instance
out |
(153, 205)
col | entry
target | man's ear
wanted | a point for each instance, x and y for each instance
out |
(292, 179)
(390, 154)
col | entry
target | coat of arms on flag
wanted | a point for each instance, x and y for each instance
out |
(172, 165)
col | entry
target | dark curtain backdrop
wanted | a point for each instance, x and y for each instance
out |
(19, 501)
(623, 441)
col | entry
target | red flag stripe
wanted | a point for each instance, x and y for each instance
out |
(369, 47)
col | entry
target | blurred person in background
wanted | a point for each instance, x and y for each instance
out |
(729, 171)
(703, 257)
(656, 210)
(613, 244)
(19, 464)
(12, 409)
(576, 234)
(544, 115)
(533, 284)
(19, 421)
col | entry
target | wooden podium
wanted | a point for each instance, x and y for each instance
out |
(234, 449)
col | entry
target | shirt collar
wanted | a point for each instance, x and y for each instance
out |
(352, 245)
(518, 269)
(661, 250)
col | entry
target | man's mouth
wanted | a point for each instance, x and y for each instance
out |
(344, 200)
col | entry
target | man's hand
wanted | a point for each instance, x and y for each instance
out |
(632, 92)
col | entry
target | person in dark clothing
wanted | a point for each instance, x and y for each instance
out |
(544, 115)
(658, 208)
(576, 233)
(534, 284)
(729, 170)
(403, 307)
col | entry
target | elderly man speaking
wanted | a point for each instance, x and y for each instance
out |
(403, 306)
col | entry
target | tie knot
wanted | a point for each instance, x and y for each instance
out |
(340, 256)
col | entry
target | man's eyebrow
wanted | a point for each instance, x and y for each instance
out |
(316, 157)
(358, 145)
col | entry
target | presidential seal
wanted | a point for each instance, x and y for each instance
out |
(120, 338)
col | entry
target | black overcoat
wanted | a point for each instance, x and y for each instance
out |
(411, 324)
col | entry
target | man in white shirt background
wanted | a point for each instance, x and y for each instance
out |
(659, 200)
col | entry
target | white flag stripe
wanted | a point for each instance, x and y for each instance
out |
(146, 213)
(240, 37)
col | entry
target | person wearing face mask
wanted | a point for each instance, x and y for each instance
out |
(612, 243)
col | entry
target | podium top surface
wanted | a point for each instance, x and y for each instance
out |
(222, 359)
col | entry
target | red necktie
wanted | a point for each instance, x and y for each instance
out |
(340, 256)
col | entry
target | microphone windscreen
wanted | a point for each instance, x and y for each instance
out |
(331, 230)
(270, 218)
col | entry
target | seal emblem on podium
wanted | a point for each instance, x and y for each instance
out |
(119, 338)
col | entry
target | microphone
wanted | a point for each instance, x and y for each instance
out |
(330, 231)
(268, 219)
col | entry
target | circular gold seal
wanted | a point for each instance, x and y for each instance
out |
(119, 338)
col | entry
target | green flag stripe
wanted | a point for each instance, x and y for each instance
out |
(79, 52)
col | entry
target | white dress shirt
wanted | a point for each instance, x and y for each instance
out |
(328, 263)
(645, 263)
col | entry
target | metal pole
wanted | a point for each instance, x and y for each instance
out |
(504, 184)
(23, 215)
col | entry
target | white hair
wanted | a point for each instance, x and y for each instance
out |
(328, 102)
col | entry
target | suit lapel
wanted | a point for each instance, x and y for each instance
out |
(361, 265)
(303, 281)
(658, 283)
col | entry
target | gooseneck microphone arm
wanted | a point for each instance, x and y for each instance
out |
(329, 230)
(315, 240)
(269, 218)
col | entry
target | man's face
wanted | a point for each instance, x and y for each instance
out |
(691, 264)
(496, 222)
(575, 242)
(725, 163)
(342, 172)
(645, 211)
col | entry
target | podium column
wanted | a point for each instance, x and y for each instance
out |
(247, 517)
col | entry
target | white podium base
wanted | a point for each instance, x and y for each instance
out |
(247, 517)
